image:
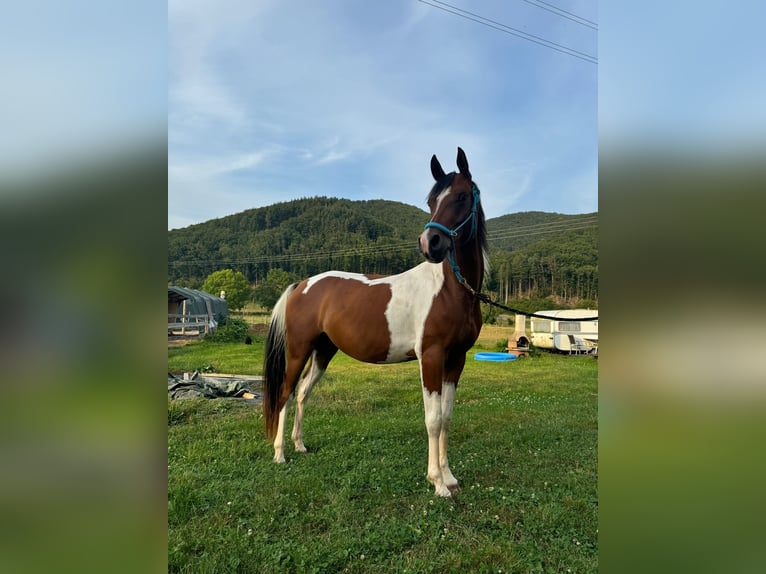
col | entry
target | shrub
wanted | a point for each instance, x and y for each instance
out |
(231, 329)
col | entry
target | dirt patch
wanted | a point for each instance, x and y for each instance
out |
(259, 329)
(176, 341)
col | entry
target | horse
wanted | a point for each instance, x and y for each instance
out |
(428, 313)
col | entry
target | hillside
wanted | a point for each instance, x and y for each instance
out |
(518, 230)
(531, 253)
(300, 236)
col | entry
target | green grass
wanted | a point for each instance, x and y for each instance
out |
(523, 445)
(208, 356)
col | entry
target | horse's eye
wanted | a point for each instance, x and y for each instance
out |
(462, 196)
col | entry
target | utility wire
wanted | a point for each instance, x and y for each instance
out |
(512, 31)
(568, 15)
(542, 231)
(558, 223)
(537, 229)
(509, 28)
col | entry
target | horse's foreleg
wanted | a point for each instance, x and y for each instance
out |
(432, 377)
(432, 402)
(447, 400)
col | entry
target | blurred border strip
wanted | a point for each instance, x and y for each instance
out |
(83, 212)
(682, 377)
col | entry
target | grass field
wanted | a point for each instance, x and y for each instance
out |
(523, 445)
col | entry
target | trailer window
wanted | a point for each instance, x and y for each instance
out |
(569, 326)
(541, 326)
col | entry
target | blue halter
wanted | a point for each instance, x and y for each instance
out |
(452, 233)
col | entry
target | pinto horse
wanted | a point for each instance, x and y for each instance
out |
(426, 313)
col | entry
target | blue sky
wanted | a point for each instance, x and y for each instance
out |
(272, 100)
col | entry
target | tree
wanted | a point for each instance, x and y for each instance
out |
(237, 289)
(271, 288)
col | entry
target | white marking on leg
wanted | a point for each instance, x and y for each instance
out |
(447, 401)
(432, 403)
(279, 440)
(304, 391)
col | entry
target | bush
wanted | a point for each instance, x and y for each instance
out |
(231, 329)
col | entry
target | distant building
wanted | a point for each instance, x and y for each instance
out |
(193, 312)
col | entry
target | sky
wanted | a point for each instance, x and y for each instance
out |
(270, 101)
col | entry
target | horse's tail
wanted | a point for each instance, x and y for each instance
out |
(275, 364)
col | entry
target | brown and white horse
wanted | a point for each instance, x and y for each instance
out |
(425, 313)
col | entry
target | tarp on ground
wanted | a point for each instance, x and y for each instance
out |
(214, 387)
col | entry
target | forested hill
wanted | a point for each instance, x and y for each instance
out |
(531, 253)
(303, 237)
(517, 230)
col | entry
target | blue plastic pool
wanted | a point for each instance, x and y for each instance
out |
(497, 357)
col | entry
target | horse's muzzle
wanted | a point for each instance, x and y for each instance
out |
(434, 245)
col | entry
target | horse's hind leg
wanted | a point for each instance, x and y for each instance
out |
(320, 358)
(296, 361)
(279, 439)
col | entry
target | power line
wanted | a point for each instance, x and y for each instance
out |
(556, 223)
(512, 31)
(536, 229)
(524, 34)
(291, 257)
(564, 14)
(542, 231)
(390, 249)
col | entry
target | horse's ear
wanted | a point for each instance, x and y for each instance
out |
(436, 168)
(462, 163)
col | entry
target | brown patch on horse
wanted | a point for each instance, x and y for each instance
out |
(350, 313)
(456, 320)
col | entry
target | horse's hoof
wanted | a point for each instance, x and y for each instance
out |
(443, 491)
(454, 488)
(279, 459)
(301, 448)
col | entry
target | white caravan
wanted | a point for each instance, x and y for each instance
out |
(566, 331)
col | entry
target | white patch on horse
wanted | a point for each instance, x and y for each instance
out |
(439, 198)
(412, 294)
(340, 275)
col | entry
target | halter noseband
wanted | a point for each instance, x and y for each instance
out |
(452, 233)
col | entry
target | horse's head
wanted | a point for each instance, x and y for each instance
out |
(454, 205)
